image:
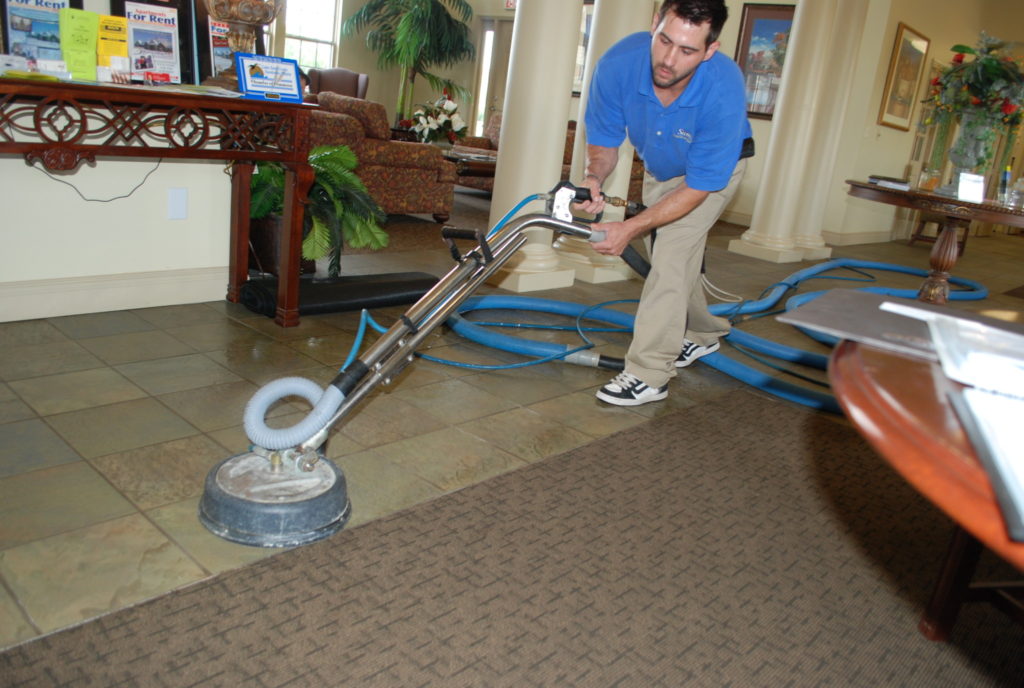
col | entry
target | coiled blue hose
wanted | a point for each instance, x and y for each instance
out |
(969, 290)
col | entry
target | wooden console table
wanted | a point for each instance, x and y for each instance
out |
(901, 405)
(957, 214)
(62, 124)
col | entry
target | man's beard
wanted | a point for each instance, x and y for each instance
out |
(671, 82)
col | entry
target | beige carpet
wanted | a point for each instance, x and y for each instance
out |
(746, 542)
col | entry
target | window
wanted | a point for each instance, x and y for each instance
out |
(486, 55)
(308, 32)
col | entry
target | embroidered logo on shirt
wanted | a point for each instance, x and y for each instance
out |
(684, 135)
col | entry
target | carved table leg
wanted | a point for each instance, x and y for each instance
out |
(238, 258)
(942, 259)
(296, 187)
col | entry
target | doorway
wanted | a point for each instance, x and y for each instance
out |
(493, 71)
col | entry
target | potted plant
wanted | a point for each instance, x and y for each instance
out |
(339, 210)
(985, 95)
(416, 36)
(437, 122)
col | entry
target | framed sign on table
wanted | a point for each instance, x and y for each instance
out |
(902, 83)
(761, 54)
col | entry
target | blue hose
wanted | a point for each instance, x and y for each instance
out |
(969, 290)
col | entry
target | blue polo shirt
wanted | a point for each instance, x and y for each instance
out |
(699, 135)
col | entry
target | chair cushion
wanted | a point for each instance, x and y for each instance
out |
(371, 115)
(493, 130)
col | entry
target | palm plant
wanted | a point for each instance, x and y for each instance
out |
(415, 36)
(339, 210)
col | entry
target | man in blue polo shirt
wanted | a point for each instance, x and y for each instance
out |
(682, 104)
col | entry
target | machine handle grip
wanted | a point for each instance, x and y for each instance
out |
(582, 193)
(457, 233)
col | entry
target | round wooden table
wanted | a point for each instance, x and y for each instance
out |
(901, 406)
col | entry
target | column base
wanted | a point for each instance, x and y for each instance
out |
(597, 274)
(817, 253)
(516, 281)
(778, 255)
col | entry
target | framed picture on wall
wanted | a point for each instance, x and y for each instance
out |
(906, 67)
(761, 54)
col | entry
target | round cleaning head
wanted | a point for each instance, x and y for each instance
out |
(248, 500)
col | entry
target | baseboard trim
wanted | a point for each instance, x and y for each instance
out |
(32, 299)
(854, 238)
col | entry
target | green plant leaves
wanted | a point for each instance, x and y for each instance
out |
(339, 209)
(416, 36)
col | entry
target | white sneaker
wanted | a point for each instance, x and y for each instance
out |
(691, 352)
(628, 390)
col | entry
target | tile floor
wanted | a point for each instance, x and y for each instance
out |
(110, 421)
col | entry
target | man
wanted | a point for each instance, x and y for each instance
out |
(682, 104)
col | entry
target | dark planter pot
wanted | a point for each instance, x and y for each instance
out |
(264, 238)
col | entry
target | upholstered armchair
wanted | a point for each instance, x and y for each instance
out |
(339, 80)
(403, 177)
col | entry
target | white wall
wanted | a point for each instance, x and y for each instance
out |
(65, 255)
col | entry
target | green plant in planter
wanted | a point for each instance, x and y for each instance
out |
(416, 36)
(339, 211)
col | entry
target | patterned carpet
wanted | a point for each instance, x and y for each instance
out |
(745, 542)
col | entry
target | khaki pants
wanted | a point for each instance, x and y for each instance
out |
(672, 304)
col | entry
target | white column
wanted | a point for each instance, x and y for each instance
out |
(806, 131)
(537, 103)
(613, 19)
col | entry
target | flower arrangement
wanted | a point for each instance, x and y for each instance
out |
(984, 94)
(437, 121)
(991, 85)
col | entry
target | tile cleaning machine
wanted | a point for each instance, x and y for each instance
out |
(284, 491)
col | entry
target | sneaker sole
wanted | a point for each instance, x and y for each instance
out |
(684, 364)
(619, 401)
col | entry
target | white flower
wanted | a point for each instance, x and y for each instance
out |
(442, 118)
(457, 123)
(432, 123)
(449, 105)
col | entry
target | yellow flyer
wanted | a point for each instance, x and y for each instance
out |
(78, 42)
(113, 39)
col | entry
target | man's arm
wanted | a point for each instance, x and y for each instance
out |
(671, 207)
(600, 163)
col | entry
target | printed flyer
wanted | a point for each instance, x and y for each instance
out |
(153, 42)
(220, 52)
(33, 28)
(112, 62)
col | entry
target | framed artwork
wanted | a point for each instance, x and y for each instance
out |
(761, 54)
(906, 67)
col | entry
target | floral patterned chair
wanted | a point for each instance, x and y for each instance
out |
(403, 177)
(488, 144)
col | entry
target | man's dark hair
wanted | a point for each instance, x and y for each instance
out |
(697, 12)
